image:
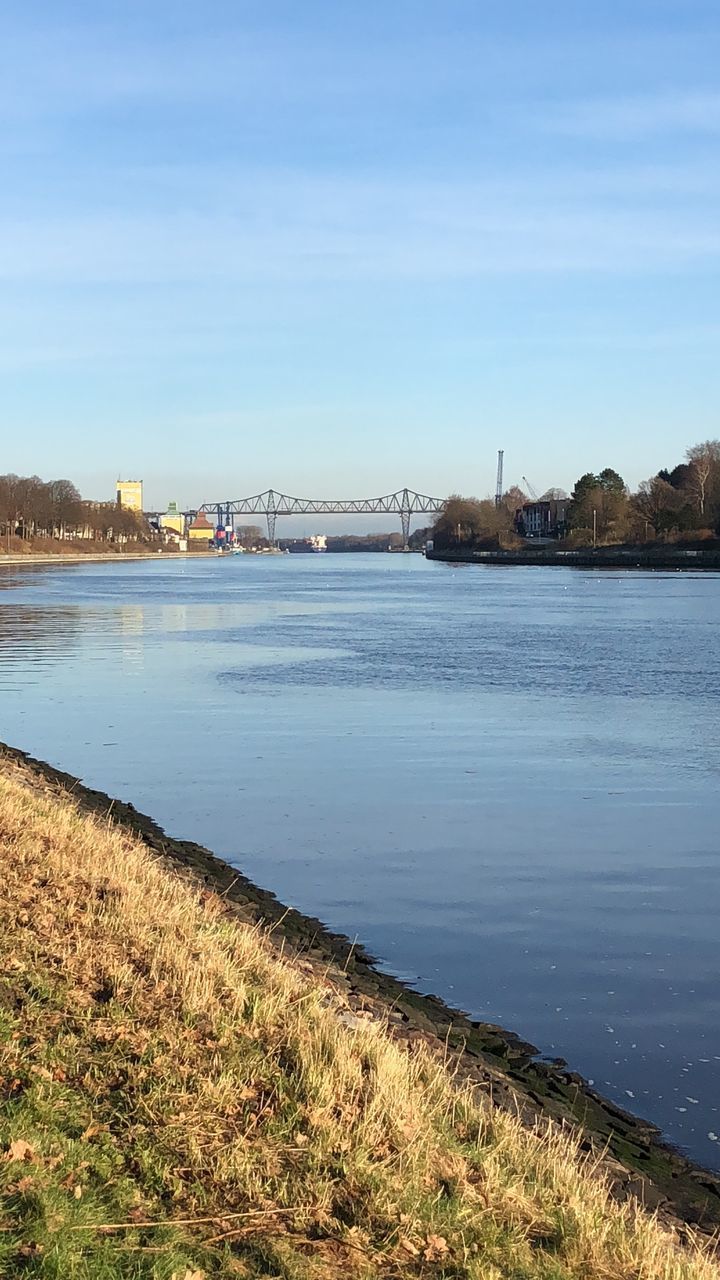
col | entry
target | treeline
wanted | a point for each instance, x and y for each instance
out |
(478, 522)
(682, 503)
(34, 508)
(365, 542)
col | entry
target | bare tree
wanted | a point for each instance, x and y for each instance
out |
(514, 498)
(657, 504)
(66, 507)
(470, 520)
(704, 477)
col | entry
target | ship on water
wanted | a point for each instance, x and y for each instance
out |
(316, 543)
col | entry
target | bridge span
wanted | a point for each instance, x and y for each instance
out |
(405, 503)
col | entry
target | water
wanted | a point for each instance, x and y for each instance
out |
(504, 781)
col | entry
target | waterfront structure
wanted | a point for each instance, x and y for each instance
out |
(130, 495)
(271, 504)
(173, 520)
(201, 530)
(546, 518)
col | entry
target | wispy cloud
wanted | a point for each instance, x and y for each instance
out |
(309, 229)
(633, 117)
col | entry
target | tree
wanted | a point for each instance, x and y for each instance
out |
(32, 505)
(514, 498)
(586, 485)
(65, 507)
(250, 535)
(611, 482)
(8, 503)
(704, 478)
(469, 520)
(100, 518)
(658, 504)
(600, 502)
(679, 477)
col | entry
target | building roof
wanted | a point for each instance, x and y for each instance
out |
(201, 522)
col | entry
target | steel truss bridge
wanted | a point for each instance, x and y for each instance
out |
(405, 503)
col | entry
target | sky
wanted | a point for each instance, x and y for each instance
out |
(340, 248)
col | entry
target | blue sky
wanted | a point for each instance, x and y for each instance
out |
(338, 248)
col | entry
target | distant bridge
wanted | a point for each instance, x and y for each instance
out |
(405, 503)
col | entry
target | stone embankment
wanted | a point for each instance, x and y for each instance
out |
(662, 557)
(85, 557)
(493, 1060)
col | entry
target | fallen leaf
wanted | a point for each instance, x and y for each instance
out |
(20, 1150)
(356, 1236)
(31, 1250)
(436, 1248)
(409, 1247)
(42, 1072)
(24, 1184)
(71, 1178)
(93, 1130)
(78, 1192)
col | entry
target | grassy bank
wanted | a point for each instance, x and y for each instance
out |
(178, 1097)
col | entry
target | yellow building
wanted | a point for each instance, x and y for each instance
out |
(201, 530)
(173, 519)
(130, 494)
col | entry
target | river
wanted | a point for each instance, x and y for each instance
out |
(504, 781)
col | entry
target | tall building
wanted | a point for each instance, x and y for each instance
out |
(173, 519)
(130, 494)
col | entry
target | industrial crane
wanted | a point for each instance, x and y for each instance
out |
(531, 491)
(499, 481)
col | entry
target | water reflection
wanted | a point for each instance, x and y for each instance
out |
(32, 639)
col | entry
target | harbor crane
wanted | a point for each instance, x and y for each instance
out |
(499, 482)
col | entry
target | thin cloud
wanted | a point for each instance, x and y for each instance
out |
(634, 117)
(320, 230)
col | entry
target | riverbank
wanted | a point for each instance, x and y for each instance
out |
(661, 557)
(90, 557)
(172, 1062)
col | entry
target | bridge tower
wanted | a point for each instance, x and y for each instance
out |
(405, 513)
(271, 514)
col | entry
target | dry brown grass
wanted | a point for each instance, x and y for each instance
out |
(170, 1071)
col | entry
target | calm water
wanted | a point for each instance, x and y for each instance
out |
(504, 781)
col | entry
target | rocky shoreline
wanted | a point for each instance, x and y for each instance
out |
(494, 1060)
